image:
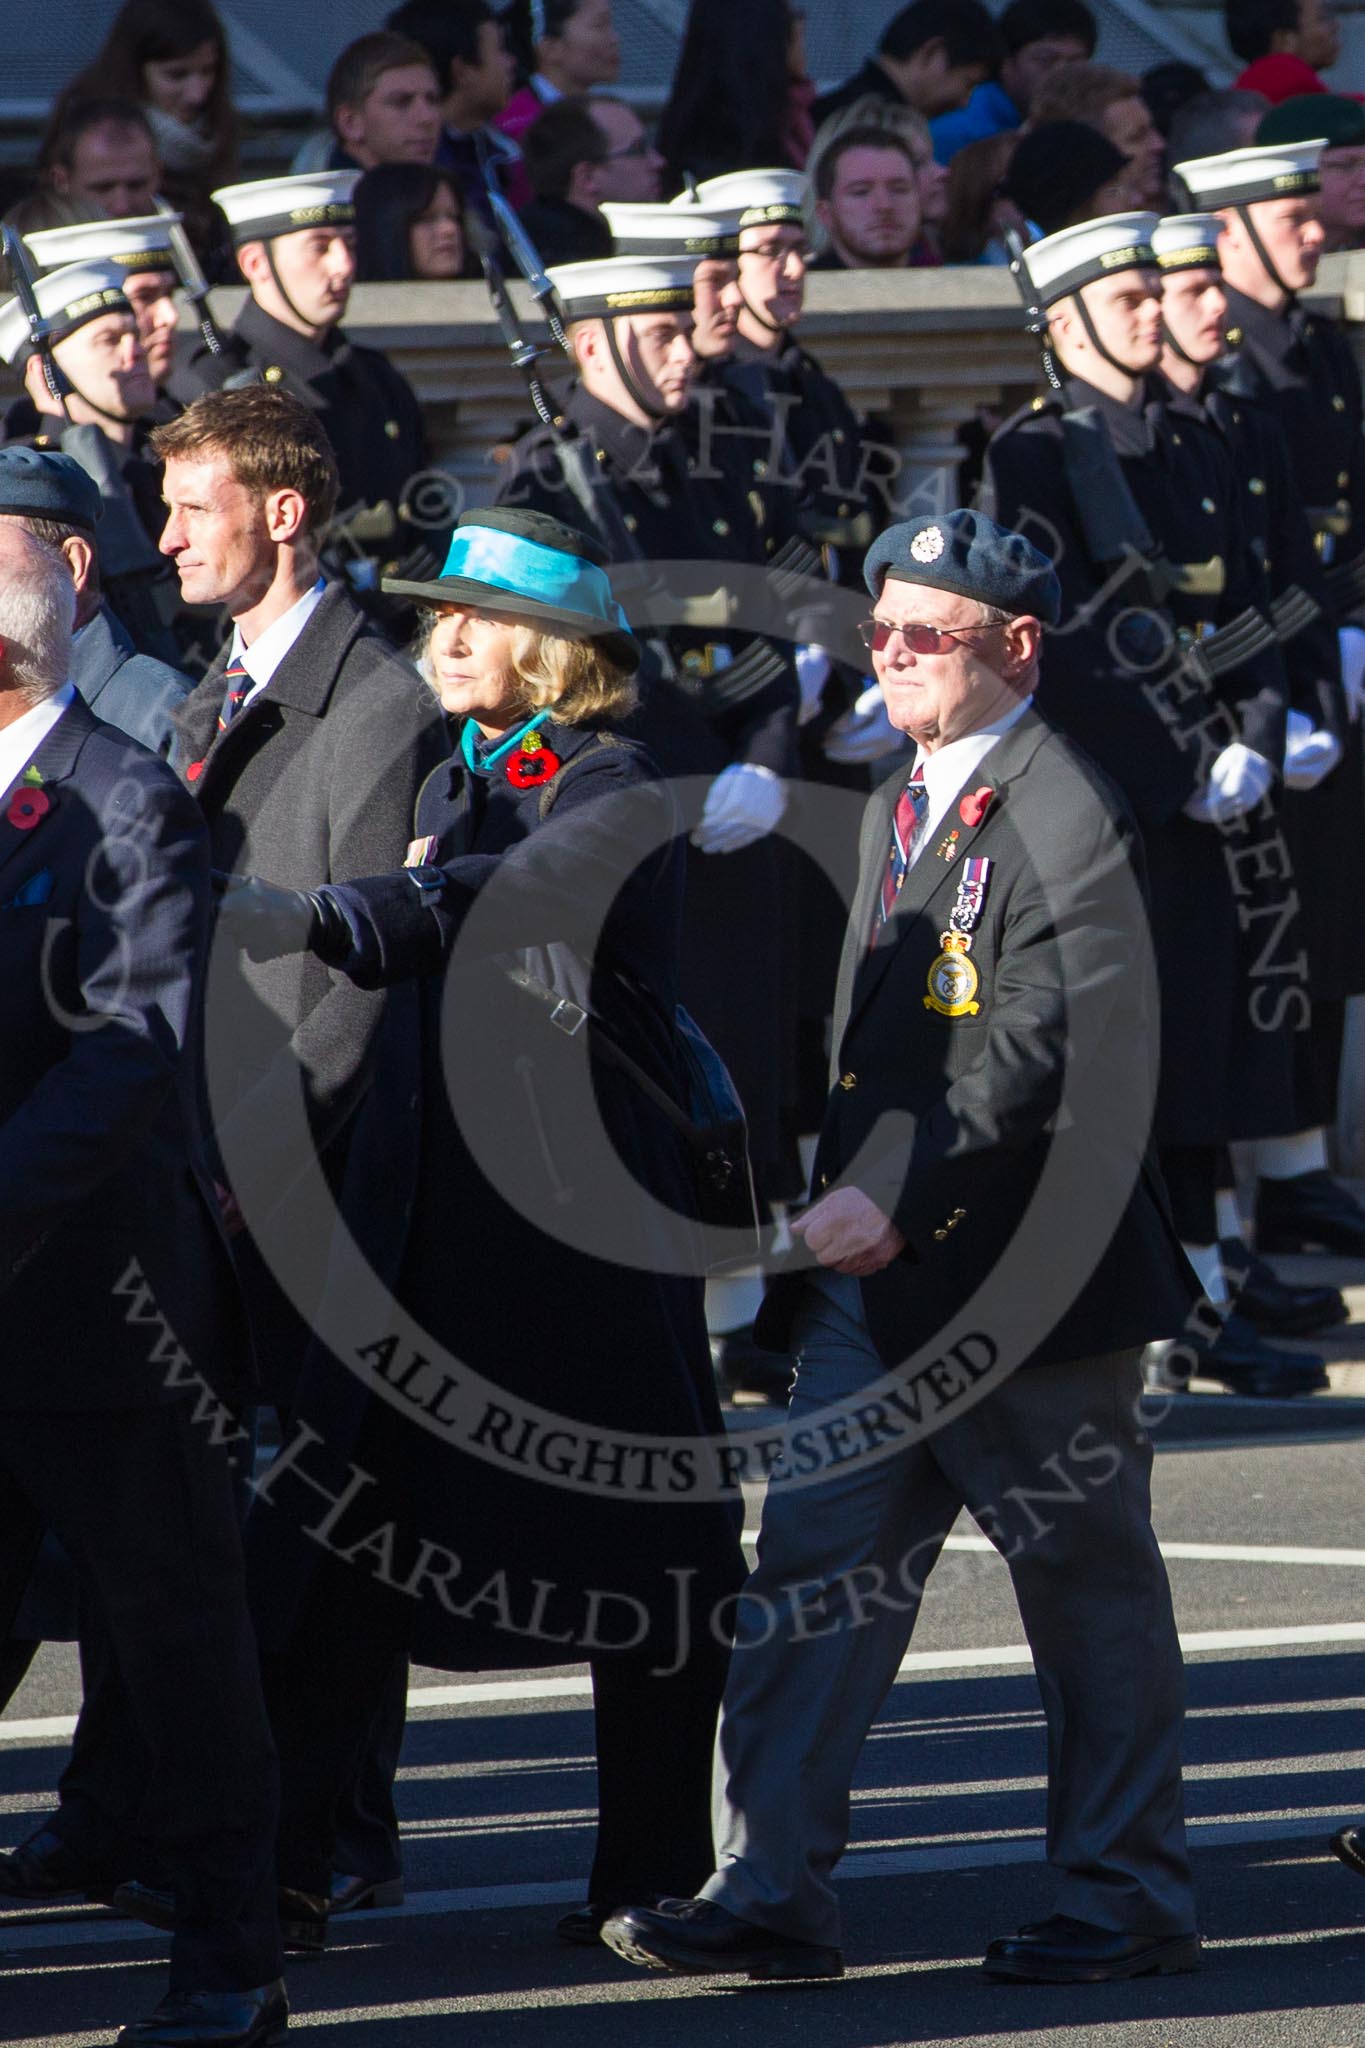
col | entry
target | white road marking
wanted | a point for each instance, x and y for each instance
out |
(1218, 1831)
(59, 1727)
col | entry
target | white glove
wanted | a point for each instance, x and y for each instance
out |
(864, 732)
(742, 804)
(1351, 640)
(1309, 754)
(1237, 781)
(812, 673)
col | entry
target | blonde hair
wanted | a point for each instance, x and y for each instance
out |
(575, 678)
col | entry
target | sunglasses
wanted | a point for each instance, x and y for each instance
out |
(877, 634)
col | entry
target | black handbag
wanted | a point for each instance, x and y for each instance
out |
(709, 1119)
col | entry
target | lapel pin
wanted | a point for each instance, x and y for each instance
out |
(947, 846)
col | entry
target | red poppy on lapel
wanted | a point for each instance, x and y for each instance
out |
(27, 806)
(973, 808)
(524, 771)
(194, 771)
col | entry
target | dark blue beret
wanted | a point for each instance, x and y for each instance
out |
(38, 483)
(968, 553)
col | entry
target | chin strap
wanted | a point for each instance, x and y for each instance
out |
(754, 314)
(115, 419)
(1174, 346)
(1124, 369)
(302, 318)
(1244, 215)
(648, 403)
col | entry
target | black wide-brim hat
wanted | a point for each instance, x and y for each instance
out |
(516, 564)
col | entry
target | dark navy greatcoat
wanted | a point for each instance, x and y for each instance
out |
(471, 1075)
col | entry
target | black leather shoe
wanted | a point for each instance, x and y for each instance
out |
(1349, 1845)
(212, 2019)
(1244, 1363)
(1311, 1212)
(362, 1894)
(136, 1901)
(1276, 1306)
(46, 1867)
(1065, 1951)
(696, 1937)
(583, 1927)
(303, 1921)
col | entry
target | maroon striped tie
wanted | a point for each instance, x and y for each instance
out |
(238, 683)
(911, 806)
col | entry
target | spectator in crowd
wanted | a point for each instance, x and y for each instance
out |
(562, 49)
(101, 152)
(565, 155)
(932, 55)
(633, 170)
(42, 209)
(408, 225)
(1038, 36)
(911, 130)
(1066, 172)
(867, 200)
(1284, 45)
(1111, 101)
(740, 96)
(383, 103)
(1341, 167)
(465, 44)
(1214, 122)
(1168, 87)
(170, 58)
(978, 212)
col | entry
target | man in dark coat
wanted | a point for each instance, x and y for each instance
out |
(1302, 369)
(126, 1353)
(1166, 669)
(991, 1248)
(305, 745)
(295, 243)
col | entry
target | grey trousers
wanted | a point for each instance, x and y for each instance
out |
(1056, 1469)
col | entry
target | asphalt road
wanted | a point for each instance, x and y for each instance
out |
(1260, 1531)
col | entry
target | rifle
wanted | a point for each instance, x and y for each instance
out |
(192, 278)
(1036, 320)
(522, 250)
(39, 330)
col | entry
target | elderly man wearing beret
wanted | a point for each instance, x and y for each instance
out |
(989, 1248)
(60, 505)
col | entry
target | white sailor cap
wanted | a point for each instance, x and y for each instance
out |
(1060, 264)
(1272, 170)
(696, 231)
(66, 298)
(613, 285)
(1187, 241)
(763, 197)
(285, 206)
(142, 243)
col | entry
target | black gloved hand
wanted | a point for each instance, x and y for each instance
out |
(269, 923)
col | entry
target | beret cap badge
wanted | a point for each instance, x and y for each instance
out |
(928, 545)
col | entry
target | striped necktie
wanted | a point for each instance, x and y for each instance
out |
(911, 806)
(238, 683)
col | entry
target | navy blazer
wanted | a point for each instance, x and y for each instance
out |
(134, 692)
(116, 1282)
(1009, 1142)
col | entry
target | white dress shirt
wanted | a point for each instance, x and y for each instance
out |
(20, 742)
(947, 772)
(265, 653)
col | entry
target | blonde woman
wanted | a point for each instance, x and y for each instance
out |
(501, 1201)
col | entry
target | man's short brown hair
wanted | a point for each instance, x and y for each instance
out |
(362, 64)
(1081, 92)
(270, 441)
